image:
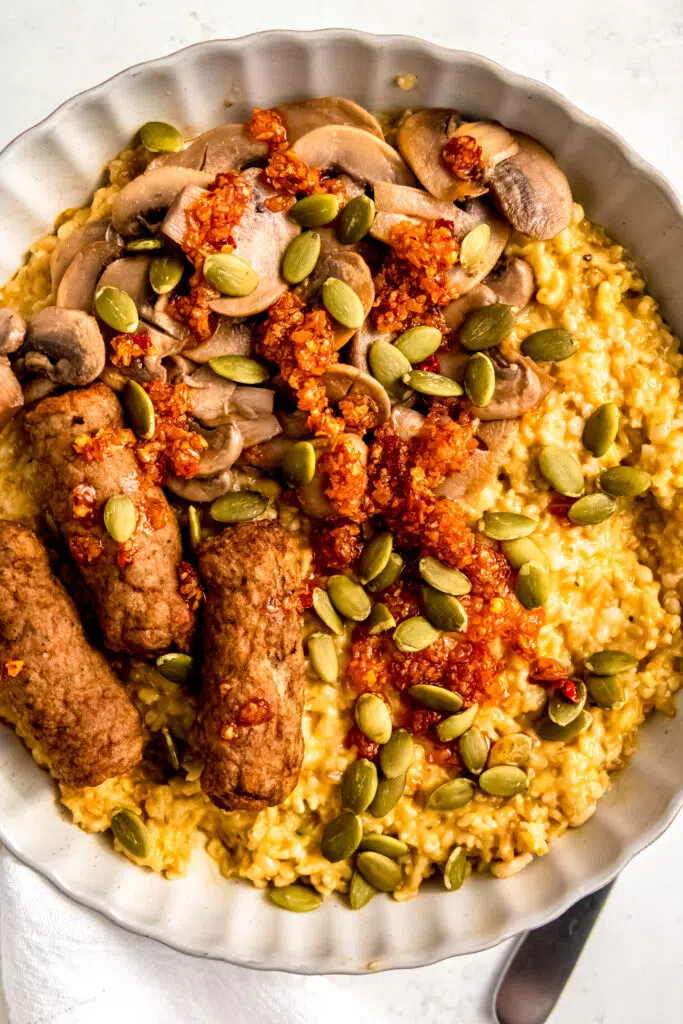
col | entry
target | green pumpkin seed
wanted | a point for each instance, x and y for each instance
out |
(297, 898)
(443, 610)
(389, 792)
(548, 730)
(195, 527)
(592, 509)
(301, 256)
(442, 577)
(143, 245)
(452, 795)
(380, 871)
(455, 871)
(323, 657)
(359, 785)
(380, 619)
(487, 327)
(388, 575)
(159, 137)
(120, 518)
(561, 470)
(241, 369)
(324, 609)
(480, 379)
(342, 303)
(513, 749)
(355, 220)
(171, 749)
(373, 717)
(507, 525)
(388, 365)
(414, 634)
(298, 464)
(606, 691)
(165, 273)
(610, 662)
(533, 586)
(474, 750)
(360, 891)
(314, 211)
(175, 666)
(375, 556)
(349, 598)
(341, 837)
(139, 409)
(427, 383)
(624, 481)
(116, 308)
(238, 507)
(130, 830)
(549, 346)
(435, 698)
(455, 725)
(418, 343)
(562, 711)
(396, 754)
(389, 846)
(522, 550)
(473, 247)
(504, 780)
(601, 429)
(230, 274)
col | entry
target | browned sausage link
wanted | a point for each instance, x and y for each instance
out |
(64, 694)
(86, 457)
(253, 692)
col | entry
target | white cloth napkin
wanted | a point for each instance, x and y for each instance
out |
(63, 964)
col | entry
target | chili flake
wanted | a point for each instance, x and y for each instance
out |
(85, 549)
(212, 218)
(83, 498)
(254, 712)
(98, 446)
(462, 156)
(190, 588)
(12, 668)
(344, 465)
(127, 347)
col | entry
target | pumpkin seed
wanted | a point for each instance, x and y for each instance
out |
(341, 837)
(298, 464)
(592, 509)
(175, 666)
(349, 598)
(388, 365)
(375, 556)
(159, 137)
(436, 698)
(427, 383)
(380, 619)
(504, 780)
(130, 830)
(314, 211)
(455, 871)
(359, 785)
(533, 586)
(396, 754)
(552, 345)
(355, 220)
(414, 634)
(241, 369)
(473, 247)
(600, 429)
(455, 725)
(120, 518)
(301, 256)
(388, 575)
(513, 749)
(360, 891)
(562, 711)
(548, 730)
(143, 245)
(194, 527)
(170, 748)
(610, 662)
(297, 898)
(507, 525)
(389, 792)
(561, 470)
(323, 657)
(165, 273)
(139, 409)
(487, 327)
(606, 691)
(418, 343)
(442, 577)
(624, 481)
(377, 842)
(342, 303)
(380, 871)
(238, 507)
(230, 274)
(450, 796)
(373, 717)
(116, 308)
(480, 379)
(522, 550)
(443, 610)
(324, 609)
(474, 750)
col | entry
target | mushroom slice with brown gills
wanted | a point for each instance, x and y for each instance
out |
(349, 267)
(262, 236)
(174, 224)
(11, 395)
(307, 115)
(64, 345)
(66, 248)
(77, 287)
(518, 388)
(456, 311)
(131, 275)
(138, 203)
(231, 338)
(225, 447)
(230, 147)
(360, 155)
(200, 489)
(513, 282)
(496, 439)
(532, 191)
(12, 330)
(341, 381)
(473, 213)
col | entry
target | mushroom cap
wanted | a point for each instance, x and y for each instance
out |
(214, 400)
(475, 212)
(341, 380)
(11, 395)
(496, 438)
(12, 330)
(36, 389)
(518, 389)
(349, 267)
(359, 154)
(532, 191)
(259, 430)
(513, 282)
(65, 345)
(415, 202)
(231, 338)
(230, 147)
(456, 311)
(271, 453)
(200, 489)
(66, 248)
(150, 192)
(307, 115)
(131, 275)
(225, 447)
(79, 282)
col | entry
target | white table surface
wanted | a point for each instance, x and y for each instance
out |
(620, 60)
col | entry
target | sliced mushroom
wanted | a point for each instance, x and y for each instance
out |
(252, 403)
(495, 143)
(178, 369)
(341, 380)
(496, 439)
(200, 489)
(174, 224)
(147, 368)
(473, 213)
(306, 116)
(456, 311)
(131, 275)
(349, 267)
(12, 330)
(513, 282)
(271, 453)
(77, 287)
(66, 248)
(229, 147)
(158, 315)
(262, 236)
(225, 447)
(215, 400)
(231, 338)
(412, 201)
(532, 192)
(257, 430)
(64, 345)
(356, 152)
(406, 422)
(361, 343)
(143, 197)
(518, 388)
(11, 395)
(36, 389)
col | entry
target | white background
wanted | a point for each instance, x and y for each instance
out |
(623, 63)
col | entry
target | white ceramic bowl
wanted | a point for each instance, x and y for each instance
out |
(55, 165)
